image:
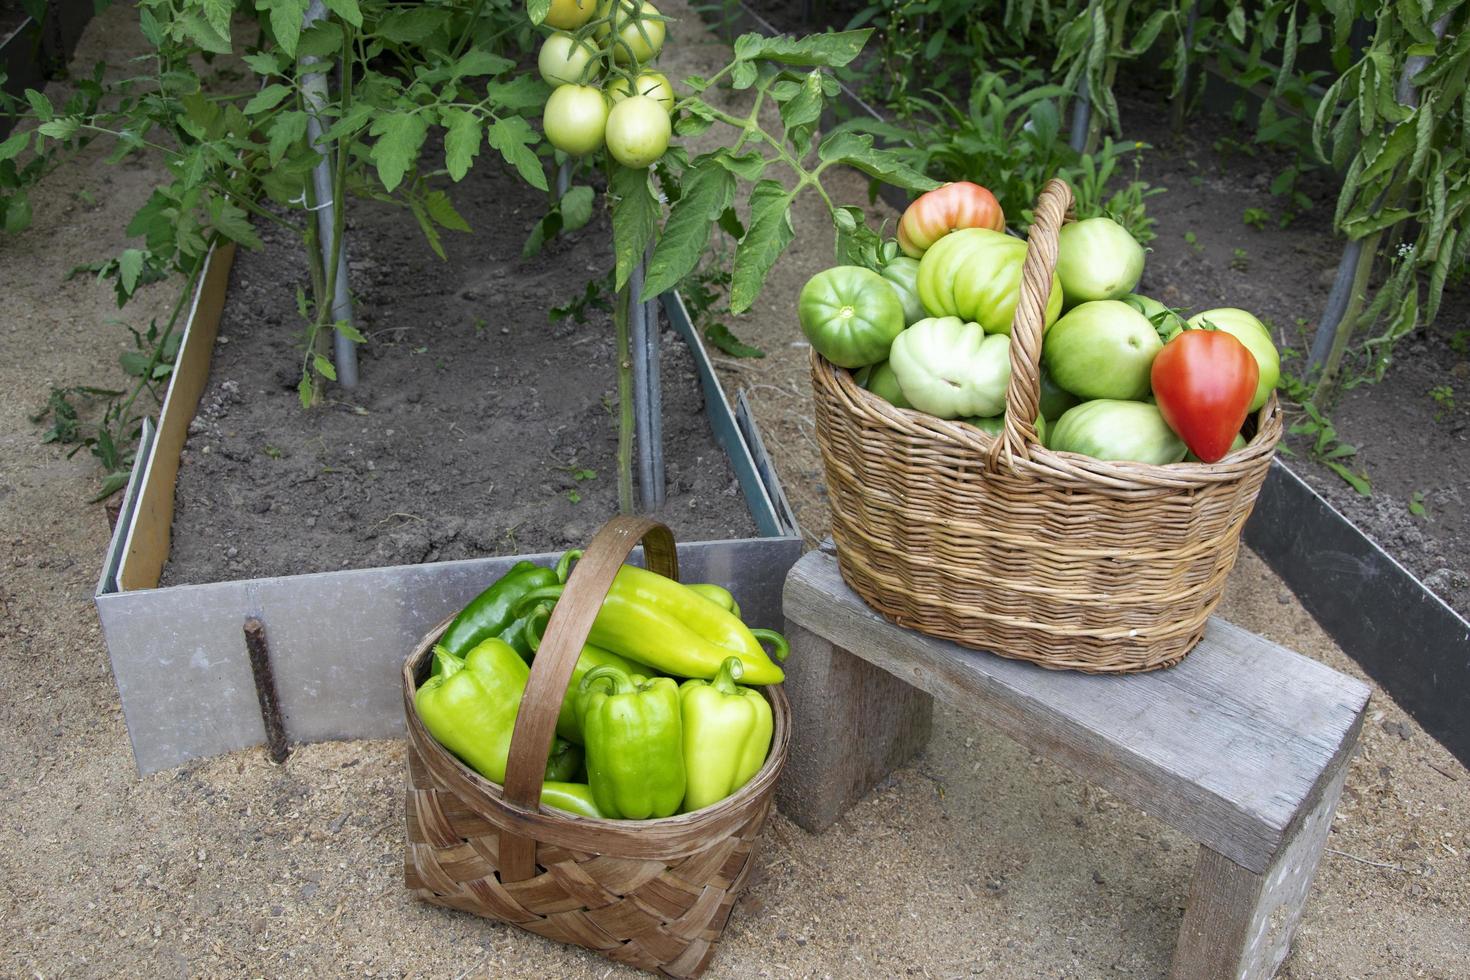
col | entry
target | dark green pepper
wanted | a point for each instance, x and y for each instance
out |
(565, 762)
(494, 612)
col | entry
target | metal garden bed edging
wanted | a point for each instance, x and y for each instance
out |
(337, 639)
(1406, 637)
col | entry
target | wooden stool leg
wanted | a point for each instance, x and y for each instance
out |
(1239, 924)
(853, 724)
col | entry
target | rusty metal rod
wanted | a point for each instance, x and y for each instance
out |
(265, 689)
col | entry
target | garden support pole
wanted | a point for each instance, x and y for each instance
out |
(314, 91)
(1081, 116)
(1349, 288)
(644, 341)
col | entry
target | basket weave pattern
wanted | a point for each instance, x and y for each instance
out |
(654, 894)
(1000, 544)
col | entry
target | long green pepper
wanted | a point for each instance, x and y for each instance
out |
(654, 620)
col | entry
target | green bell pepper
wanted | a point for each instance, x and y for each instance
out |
(493, 612)
(470, 706)
(571, 797)
(659, 622)
(727, 735)
(565, 761)
(635, 743)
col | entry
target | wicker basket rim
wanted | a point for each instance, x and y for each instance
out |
(1123, 474)
(678, 834)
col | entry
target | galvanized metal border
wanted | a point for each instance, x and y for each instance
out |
(754, 484)
(1406, 637)
(112, 558)
(338, 640)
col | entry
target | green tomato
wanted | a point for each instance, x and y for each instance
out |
(1097, 259)
(1055, 400)
(638, 131)
(568, 15)
(903, 272)
(1102, 349)
(634, 22)
(993, 424)
(850, 315)
(952, 369)
(1237, 443)
(975, 274)
(563, 60)
(654, 84)
(881, 381)
(1257, 339)
(1117, 430)
(1167, 323)
(575, 119)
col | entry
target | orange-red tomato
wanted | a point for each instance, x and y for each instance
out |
(945, 209)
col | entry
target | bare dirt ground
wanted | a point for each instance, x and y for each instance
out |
(977, 860)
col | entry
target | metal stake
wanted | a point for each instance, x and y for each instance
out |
(314, 91)
(265, 690)
(644, 342)
(563, 179)
(1081, 116)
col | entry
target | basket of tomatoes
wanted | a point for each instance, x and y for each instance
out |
(1024, 456)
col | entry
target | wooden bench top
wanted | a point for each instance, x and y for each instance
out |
(1229, 747)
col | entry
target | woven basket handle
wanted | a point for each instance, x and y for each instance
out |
(1023, 394)
(551, 671)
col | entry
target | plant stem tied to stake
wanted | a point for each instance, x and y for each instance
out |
(334, 251)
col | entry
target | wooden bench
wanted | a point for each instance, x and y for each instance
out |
(1243, 747)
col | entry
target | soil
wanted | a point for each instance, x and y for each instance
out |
(479, 426)
(975, 860)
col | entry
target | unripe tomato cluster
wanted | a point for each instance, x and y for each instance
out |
(629, 112)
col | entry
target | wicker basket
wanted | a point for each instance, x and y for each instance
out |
(654, 894)
(1000, 544)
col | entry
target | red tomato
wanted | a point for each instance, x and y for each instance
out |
(946, 209)
(1204, 381)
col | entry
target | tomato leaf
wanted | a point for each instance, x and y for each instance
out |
(286, 18)
(856, 150)
(266, 99)
(767, 236)
(708, 190)
(400, 136)
(538, 9)
(635, 219)
(1357, 481)
(347, 10)
(513, 137)
(831, 50)
(233, 223)
(462, 131)
(285, 130)
(441, 209)
(576, 207)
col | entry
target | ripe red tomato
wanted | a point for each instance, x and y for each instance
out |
(1203, 382)
(946, 209)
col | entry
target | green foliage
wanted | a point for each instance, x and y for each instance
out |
(1008, 137)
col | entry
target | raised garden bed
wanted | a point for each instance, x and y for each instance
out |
(350, 529)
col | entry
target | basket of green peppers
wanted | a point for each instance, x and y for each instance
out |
(589, 757)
